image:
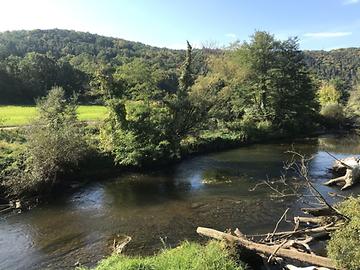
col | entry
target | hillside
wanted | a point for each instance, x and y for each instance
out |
(33, 61)
(341, 63)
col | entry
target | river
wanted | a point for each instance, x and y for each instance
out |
(164, 207)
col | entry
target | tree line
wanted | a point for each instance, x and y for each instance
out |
(249, 92)
(33, 61)
(340, 65)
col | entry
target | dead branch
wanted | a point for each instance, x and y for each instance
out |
(319, 211)
(313, 220)
(277, 249)
(118, 246)
(268, 250)
(326, 228)
(303, 243)
(277, 224)
(302, 170)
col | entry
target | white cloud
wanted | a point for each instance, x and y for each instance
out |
(351, 2)
(327, 34)
(230, 35)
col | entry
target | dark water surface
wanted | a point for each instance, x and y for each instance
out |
(209, 190)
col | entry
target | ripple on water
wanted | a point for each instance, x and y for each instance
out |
(210, 190)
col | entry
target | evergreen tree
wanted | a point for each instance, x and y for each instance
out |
(186, 79)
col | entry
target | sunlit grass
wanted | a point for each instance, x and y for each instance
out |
(22, 115)
(188, 256)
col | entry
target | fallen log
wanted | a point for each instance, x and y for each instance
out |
(313, 220)
(268, 250)
(351, 177)
(320, 220)
(340, 165)
(349, 171)
(320, 211)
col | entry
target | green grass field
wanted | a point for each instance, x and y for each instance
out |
(22, 115)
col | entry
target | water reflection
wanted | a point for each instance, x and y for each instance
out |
(341, 145)
(211, 190)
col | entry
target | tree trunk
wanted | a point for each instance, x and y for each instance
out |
(268, 250)
(339, 167)
(351, 177)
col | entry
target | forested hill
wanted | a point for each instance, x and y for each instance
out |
(33, 61)
(341, 63)
(64, 43)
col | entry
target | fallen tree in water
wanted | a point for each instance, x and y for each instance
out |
(292, 245)
(349, 169)
(277, 249)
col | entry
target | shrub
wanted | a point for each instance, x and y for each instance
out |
(328, 94)
(333, 114)
(333, 111)
(54, 143)
(344, 245)
(353, 105)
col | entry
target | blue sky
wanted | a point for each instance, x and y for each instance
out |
(320, 24)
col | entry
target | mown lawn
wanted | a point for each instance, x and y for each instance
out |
(22, 115)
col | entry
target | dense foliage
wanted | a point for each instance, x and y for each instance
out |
(332, 108)
(54, 143)
(188, 256)
(343, 246)
(353, 105)
(340, 64)
(146, 122)
(161, 103)
(31, 62)
(259, 86)
(253, 89)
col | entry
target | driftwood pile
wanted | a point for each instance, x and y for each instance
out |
(295, 244)
(278, 247)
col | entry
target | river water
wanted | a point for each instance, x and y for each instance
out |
(163, 208)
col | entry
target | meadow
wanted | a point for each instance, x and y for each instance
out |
(16, 115)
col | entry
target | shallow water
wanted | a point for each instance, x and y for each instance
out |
(164, 207)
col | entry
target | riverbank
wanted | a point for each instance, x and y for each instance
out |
(97, 164)
(188, 256)
(210, 190)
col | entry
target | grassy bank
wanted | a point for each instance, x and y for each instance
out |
(97, 163)
(188, 256)
(22, 115)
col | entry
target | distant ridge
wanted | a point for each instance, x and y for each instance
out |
(83, 52)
